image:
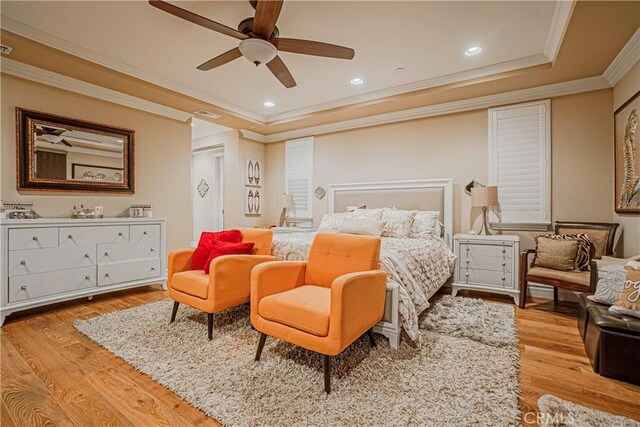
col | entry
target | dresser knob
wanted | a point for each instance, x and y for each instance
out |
(70, 236)
(503, 251)
(106, 274)
(153, 250)
(106, 254)
(23, 287)
(120, 234)
(467, 261)
(23, 262)
(503, 264)
(144, 232)
(503, 278)
(467, 248)
(35, 238)
(86, 255)
(87, 277)
(153, 268)
(466, 274)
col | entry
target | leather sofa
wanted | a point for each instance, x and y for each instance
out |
(611, 340)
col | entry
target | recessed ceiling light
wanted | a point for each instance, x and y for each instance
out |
(474, 50)
(357, 81)
(399, 69)
(268, 104)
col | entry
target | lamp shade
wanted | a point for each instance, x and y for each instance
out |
(287, 201)
(484, 196)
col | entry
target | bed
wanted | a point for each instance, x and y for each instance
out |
(416, 267)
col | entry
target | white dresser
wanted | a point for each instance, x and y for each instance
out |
(50, 260)
(487, 263)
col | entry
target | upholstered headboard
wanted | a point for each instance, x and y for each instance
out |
(423, 195)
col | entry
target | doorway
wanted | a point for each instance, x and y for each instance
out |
(207, 176)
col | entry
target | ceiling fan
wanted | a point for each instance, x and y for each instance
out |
(260, 39)
(52, 135)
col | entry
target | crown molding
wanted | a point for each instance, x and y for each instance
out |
(254, 136)
(47, 39)
(626, 58)
(559, 23)
(553, 90)
(49, 78)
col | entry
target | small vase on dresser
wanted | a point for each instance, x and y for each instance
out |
(45, 261)
(487, 263)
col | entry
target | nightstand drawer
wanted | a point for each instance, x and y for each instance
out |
(485, 277)
(483, 262)
(483, 251)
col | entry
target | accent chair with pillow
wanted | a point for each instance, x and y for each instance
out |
(325, 303)
(207, 279)
(566, 260)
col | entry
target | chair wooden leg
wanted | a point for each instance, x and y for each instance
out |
(327, 374)
(210, 325)
(523, 293)
(263, 338)
(174, 311)
(372, 339)
(555, 296)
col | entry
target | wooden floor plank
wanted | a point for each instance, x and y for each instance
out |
(44, 357)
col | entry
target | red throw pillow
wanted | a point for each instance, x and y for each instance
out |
(201, 254)
(225, 248)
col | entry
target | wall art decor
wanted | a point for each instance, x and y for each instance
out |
(202, 188)
(253, 173)
(252, 203)
(627, 156)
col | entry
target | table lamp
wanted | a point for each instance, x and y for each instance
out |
(287, 204)
(484, 197)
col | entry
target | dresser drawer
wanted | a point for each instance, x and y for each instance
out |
(33, 261)
(32, 238)
(32, 286)
(483, 262)
(144, 233)
(111, 274)
(475, 251)
(119, 252)
(81, 236)
(485, 277)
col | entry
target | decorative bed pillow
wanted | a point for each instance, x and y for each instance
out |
(629, 301)
(397, 222)
(207, 239)
(362, 226)
(331, 222)
(364, 213)
(353, 208)
(557, 254)
(226, 248)
(584, 250)
(610, 285)
(425, 223)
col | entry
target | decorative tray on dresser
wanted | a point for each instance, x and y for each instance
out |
(46, 261)
(487, 263)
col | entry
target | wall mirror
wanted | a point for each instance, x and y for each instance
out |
(63, 154)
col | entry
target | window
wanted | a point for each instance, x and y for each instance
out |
(520, 164)
(298, 176)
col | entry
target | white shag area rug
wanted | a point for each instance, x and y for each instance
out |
(555, 412)
(464, 373)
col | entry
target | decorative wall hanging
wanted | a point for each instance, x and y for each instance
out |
(253, 173)
(252, 205)
(627, 156)
(202, 188)
(320, 193)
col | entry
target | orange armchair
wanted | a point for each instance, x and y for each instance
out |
(325, 303)
(228, 283)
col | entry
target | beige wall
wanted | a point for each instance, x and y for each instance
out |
(624, 90)
(163, 158)
(455, 146)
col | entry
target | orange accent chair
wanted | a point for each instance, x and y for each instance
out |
(228, 283)
(325, 303)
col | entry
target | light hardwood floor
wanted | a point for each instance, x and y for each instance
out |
(53, 375)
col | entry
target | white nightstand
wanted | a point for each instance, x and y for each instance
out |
(487, 263)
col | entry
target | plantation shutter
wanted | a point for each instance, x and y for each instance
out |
(298, 176)
(520, 162)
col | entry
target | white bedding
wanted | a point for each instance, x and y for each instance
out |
(419, 266)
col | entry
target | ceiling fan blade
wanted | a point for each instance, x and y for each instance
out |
(65, 142)
(267, 13)
(310, 47)
(197, 19)
(281, 72)
(220, 60)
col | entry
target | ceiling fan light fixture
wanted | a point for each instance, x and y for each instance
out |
(257, 51)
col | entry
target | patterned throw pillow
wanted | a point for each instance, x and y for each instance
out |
(610, 285)
(361, 226)
(364, 213)
(397, 222)
(584, 250)
(331, 222)
(353, 208)
(425, 224)
(629, 301)
(557, 254)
